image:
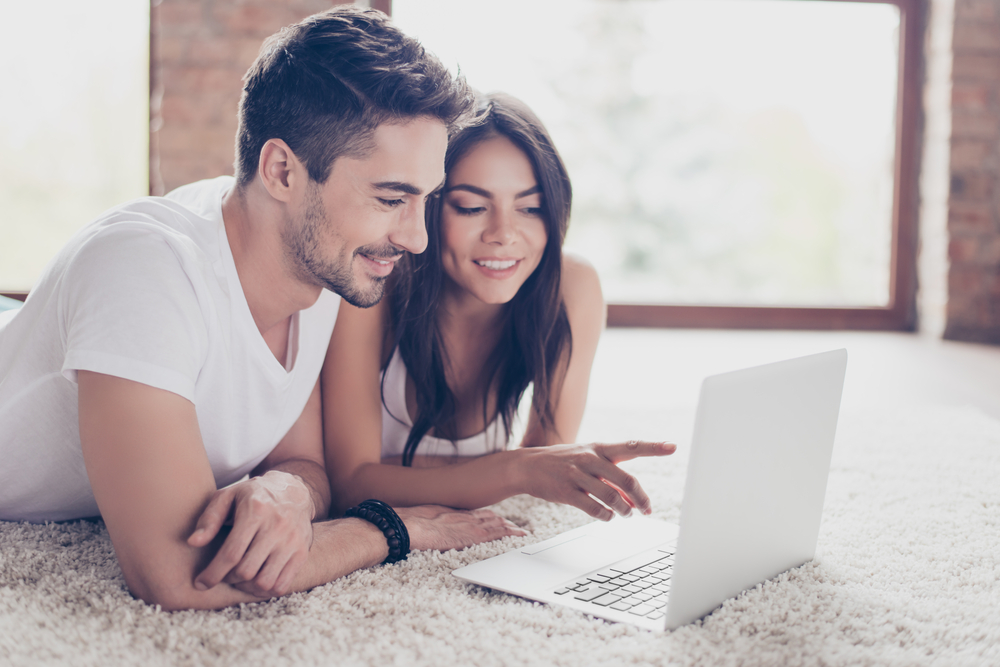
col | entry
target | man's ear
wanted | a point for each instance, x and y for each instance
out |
(283, 175)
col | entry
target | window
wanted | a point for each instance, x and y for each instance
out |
(735, 162)
(74, 127)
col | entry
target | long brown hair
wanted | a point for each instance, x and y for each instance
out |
(535, 334)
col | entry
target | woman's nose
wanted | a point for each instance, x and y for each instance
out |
(500, 228)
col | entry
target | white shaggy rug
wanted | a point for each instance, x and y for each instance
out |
(907, 573)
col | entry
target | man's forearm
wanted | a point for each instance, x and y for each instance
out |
(339, 548)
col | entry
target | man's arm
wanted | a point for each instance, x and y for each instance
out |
(151, 478)
(272, 512)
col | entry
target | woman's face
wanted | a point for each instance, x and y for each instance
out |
(493, 234)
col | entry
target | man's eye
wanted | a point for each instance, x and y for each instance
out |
(391, 203)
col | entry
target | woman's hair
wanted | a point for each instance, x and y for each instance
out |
(535, 334)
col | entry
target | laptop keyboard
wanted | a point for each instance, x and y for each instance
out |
(638, 585)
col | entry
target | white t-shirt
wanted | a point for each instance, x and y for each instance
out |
(147, 292)
(396, 423)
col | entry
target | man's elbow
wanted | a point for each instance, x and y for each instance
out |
(171, 593)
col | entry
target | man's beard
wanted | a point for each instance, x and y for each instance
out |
(303, 252)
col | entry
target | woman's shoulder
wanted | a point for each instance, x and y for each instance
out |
(581, 290)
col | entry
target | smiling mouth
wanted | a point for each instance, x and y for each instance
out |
(496, 265)
(382, 259)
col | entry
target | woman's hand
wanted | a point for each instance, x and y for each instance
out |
(437, 527)
(571, 474)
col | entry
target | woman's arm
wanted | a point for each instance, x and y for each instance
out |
(562, 473)
(352, 405)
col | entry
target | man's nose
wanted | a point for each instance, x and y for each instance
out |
(411, 231)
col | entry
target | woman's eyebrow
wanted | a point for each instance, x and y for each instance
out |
(471, 188)
(535, 189)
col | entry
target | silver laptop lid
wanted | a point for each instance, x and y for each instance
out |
(760, 458)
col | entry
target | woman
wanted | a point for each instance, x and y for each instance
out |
(491, 307)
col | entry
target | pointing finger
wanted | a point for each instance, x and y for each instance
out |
(626, 451)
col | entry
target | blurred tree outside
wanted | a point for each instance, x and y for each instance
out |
(721, 151)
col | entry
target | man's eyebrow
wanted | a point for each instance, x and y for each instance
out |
(398, 186)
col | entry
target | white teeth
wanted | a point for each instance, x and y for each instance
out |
(497, 265)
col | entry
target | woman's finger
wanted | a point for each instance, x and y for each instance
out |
(581, 500)
(625, 485)
(605, 493)
(625, 451)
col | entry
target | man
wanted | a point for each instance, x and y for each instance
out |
(174, 345)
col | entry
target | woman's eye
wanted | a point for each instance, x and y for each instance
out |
(462, 210)
(533, 211)
(391, 203)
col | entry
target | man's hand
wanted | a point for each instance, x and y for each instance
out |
(576, 474)
(272, 531)
(437, 527)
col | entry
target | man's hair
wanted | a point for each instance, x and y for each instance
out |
(324, 86)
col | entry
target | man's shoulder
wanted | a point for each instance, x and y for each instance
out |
(187, 220)
(202, 197)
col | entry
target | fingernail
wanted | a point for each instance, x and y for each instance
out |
(200, 586)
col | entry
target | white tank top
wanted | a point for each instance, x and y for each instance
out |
(396, 423)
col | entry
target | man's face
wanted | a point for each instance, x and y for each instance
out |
(353, 228)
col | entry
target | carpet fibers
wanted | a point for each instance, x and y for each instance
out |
(907, 572)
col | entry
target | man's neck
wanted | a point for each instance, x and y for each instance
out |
(253, 226)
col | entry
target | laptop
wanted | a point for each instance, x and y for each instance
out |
(756, 479)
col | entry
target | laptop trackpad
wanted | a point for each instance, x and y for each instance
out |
(582, 553)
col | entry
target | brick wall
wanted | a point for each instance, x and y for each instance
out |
(200, 50)
(973, 310)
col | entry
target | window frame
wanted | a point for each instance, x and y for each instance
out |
(900, 314)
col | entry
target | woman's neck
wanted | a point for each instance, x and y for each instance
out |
(470, 332)
(463, 314)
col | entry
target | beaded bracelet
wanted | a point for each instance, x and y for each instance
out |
(385, 519)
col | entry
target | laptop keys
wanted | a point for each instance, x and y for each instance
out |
(606, 599)
(591, 594)
(635, 562)
(637, 585)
